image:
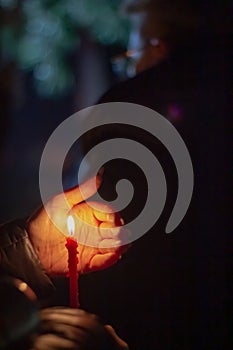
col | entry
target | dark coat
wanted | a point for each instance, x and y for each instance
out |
(170, 291)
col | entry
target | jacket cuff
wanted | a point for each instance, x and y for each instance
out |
(18, 259)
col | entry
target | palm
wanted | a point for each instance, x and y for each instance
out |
(49, 241)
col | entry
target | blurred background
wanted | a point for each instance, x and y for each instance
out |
(57, 57)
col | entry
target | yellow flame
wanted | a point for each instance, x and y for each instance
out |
(70, 225)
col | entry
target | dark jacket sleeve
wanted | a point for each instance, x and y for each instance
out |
(18, 259)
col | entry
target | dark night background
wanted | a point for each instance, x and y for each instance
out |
(169, 291)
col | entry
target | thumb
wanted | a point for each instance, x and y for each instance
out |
(82, 192)
(103, 261)
(120, 342)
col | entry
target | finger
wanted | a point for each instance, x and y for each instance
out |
(63, 329)
(61, 310)
(103, 261)
(109, 245)
(112, 246)
(120, 235)
(120, 342)
(105, 213)
(53, 341)
(84, 213)
(109, 230)
(72, 318)
(84, 191)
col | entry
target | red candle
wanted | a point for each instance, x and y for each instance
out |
(72, 247)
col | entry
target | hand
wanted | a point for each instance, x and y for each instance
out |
(64, 328)
(49, 242)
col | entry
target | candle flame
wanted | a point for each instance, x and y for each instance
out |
(70, 225)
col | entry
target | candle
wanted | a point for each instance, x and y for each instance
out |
(72, 247)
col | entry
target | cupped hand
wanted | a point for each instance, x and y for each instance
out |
(104, 231)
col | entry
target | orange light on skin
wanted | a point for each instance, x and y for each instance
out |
(72, 247)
